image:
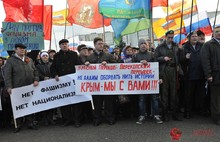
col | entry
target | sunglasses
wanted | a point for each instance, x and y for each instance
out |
(170, 37)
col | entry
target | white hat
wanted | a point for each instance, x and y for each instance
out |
(44, 53)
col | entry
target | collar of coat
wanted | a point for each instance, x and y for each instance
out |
(165, 44)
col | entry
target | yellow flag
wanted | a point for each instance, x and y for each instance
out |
(161, 26)
(177, 6)
(59, 18)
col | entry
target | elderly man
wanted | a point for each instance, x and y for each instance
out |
(190, 60)
(20, 71)
(210, 54)
(64, 63)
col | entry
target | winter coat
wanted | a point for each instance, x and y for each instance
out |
(211, 60)
(192, 67)
(148, 56)
(19, 73)
(44, 70)
(99, 58)
(64, 63)
(161, 51)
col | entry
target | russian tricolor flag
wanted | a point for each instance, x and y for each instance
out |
(199, 22)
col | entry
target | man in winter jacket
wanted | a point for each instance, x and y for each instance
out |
(20, 71)
(211, 65)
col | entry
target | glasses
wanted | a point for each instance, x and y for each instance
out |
(170, 37)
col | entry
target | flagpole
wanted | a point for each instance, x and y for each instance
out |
(55, 40)
(103, 26)
(167, 15)
(51, 27)
(150, 30)
(181, 23)
(65, 21)
(191, 17)
(42, 19)
(216, 12)
(73, 34)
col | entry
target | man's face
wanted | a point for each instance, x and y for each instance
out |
(216, 33)
(20, 51)
(135, 51)
(193, 38)
(99, 45)
(149, 42)
(64, 46)
(84, 52)
(169, 38)
(144, 46)
(201, 38)
(90, 52)
(1, 62)
(117, 51)
(105, 49)
(51, 54)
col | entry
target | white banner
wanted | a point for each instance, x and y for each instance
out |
(48, 94)
(132, 78)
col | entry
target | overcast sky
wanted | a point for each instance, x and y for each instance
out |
(203, 5)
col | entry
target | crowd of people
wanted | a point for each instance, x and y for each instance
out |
(189, 78)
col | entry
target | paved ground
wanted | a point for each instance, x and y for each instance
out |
(197, 129)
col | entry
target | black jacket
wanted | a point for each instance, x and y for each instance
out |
(64, 63)
(99, 58)
(192, 67)
(211, 60)
(44, 70)
(161, 51)
(148, 56)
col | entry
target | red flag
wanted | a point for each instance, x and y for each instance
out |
(24, 10)
(47, 22)
(156, 3)
(86, 14)
(14, 10)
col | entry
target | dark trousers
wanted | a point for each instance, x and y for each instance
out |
(29, 120)
(109, 107)
(215, 101)
(6, 113)
(169, 90)
(72, 113)
(195, 94)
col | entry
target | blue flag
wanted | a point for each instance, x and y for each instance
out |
(126, 9)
